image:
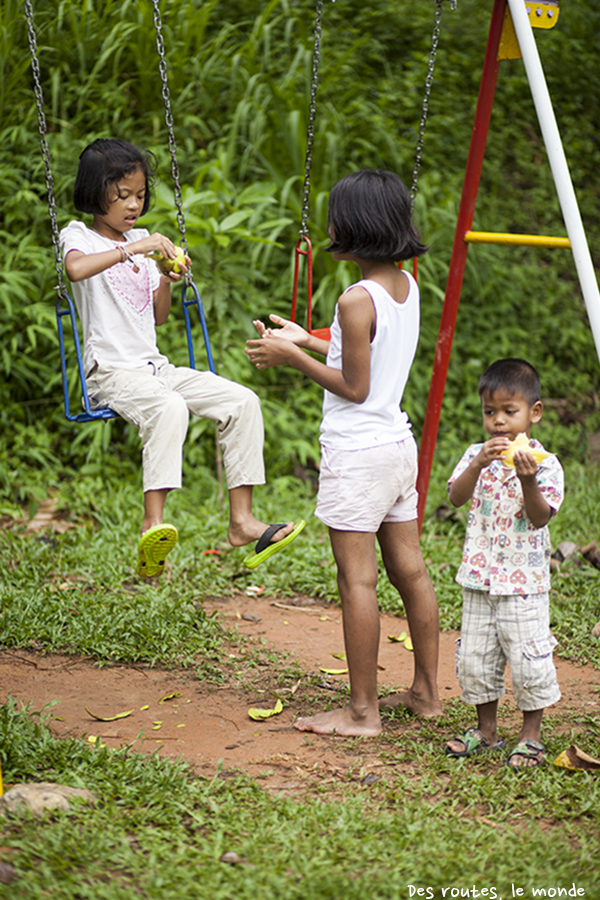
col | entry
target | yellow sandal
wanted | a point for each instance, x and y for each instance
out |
(153, 549)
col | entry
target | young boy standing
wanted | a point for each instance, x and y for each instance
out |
(505, 570)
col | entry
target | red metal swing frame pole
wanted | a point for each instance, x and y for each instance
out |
(483, 112)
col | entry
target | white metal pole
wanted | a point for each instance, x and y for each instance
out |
(558, 164)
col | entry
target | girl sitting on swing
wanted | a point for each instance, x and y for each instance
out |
(367, 480)
(121, 296)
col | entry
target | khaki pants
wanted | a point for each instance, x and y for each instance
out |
(158, 401)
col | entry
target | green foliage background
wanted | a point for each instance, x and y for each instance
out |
(239, 78)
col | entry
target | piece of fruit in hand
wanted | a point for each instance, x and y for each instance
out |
(521, 442)
(167, 265)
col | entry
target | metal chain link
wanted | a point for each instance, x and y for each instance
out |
(312, 108)
(162, 67)
(425, 108)
(42, 127)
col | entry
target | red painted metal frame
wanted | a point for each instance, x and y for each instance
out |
(299, 251)
(307, 252)
(483, 112)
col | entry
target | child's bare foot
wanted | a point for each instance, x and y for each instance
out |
(421, 706)
(250, 530)
(341, 721)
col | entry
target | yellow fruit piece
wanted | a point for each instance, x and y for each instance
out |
(167, 265)
(408, 644)
(258, 714)
(521, 442)
(333, 671)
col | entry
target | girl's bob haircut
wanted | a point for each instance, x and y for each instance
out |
(103, 163)
(369, 213)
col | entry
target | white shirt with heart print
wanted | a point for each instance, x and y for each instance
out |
(116, 306)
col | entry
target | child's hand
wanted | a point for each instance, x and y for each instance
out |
(270, 350)
(291, 331)
(525, 464)
(492, 449)
(156, 241)
(177, 276)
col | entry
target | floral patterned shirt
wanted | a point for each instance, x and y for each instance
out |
(503, 552)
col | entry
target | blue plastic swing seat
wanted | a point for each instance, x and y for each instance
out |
(103, 413)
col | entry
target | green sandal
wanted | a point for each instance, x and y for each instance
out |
(153, 549)
(474, 743)
(265, 547)
(530, 750)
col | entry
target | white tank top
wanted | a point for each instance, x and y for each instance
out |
(378, 419)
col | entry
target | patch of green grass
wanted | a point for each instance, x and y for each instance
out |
(159, 832)
(77, 591)
(156, 831)
(73, 593)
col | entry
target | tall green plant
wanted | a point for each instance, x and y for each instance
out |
(239, 78)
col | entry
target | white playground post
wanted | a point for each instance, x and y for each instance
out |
(558, 165)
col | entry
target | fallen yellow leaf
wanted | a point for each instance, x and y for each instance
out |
(333, 671)
(408, 644)
(575, 758)
(339, 655)
(144, 707)
(121, 715)
(258, 714)
(170, 696)
(397, 640)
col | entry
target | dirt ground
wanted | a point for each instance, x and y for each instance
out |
(206, 724)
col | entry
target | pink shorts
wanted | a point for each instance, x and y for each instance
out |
(359, 490)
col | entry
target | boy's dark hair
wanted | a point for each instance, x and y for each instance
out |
(370, 214)
(516, 376)
(104, 162)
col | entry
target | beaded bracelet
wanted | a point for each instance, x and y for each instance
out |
(125, 253)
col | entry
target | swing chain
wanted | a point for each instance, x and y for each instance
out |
(425, 108)
(312, 107)
(42, 127)
(162, 67)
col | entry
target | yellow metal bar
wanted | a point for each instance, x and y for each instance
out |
(541, 15)
(521, 240)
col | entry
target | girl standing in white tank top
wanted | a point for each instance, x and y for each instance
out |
(367, 481)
